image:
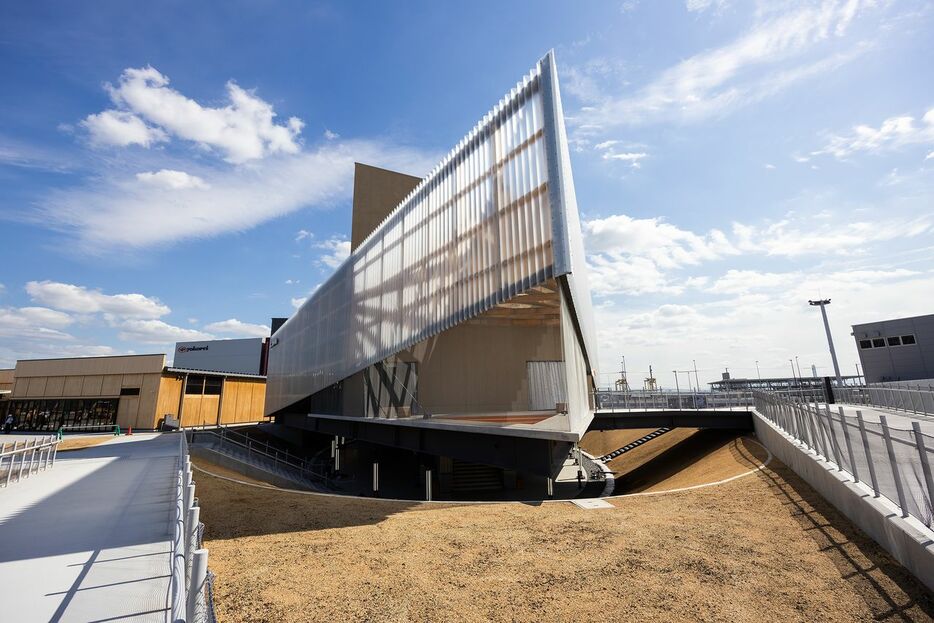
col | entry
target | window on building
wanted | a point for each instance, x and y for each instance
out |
(195, 385)
(908, 339)
(895, 341)
(212, 385)
(865, 343)
(129, 391)
(76, 414)
(878, 342)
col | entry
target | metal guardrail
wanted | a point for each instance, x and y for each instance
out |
(190, 584)
(261, 448)
(889, 396)
(34, 455)
(897, 461)
(672, 400)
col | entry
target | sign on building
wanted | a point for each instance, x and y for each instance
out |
(234, 356)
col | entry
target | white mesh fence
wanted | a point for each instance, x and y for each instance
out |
(893, 460)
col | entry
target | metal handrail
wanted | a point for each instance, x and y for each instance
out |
(47, 449)
(682, 400)
(225, 435)
(907, 399)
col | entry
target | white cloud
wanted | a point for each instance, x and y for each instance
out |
(291, 282)
(628, 255)
(33, 322)
(331, 135)
(697, 6)
(797, 236)
(769, 166)
(109, 214)
(245, 129)
(770, 324)
(298, 301)
(893, 133)
(157, 332)
(120, 129)
(664, 243)
(633, 157)
(302, 234)
(235, 327)
(771, 56)
(337, 250)
(72, 298)
(171, 179)
(642, 256)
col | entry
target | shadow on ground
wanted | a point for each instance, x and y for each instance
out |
(677, 458)
(887, 588)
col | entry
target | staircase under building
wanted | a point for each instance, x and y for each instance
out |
(476, 477)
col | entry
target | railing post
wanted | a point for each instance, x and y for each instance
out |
(802, 426)
(849, 445)
(814, 417)
(872, 468)
(9, 472)
(925, 462)
(428, 485)
(834, 446)
(22, 463)
(199, 572)
(899, 487)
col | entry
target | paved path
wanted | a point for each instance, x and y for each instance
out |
(89, 540)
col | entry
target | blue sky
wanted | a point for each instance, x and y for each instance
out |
(173, 171)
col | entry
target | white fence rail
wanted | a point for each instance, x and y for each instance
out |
(895, 462)
(192, 600)
(610, 399)
(900, 397)
(22, 459)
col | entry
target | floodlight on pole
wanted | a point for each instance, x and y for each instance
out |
(758, 374)
(823, 303)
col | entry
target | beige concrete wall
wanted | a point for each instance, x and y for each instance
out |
(476, 368)
(86, 366)
(376, 193)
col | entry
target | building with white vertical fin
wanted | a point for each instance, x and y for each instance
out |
(461, 323)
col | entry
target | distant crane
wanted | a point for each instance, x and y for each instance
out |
(622, 384)
(650, 384)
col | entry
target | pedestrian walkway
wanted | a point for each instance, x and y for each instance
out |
(90, 539)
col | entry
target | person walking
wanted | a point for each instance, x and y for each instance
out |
(8, 423)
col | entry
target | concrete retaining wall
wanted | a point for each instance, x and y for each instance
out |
(906, 539)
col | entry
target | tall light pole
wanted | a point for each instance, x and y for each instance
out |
(758, 375)
(696, 380)
(798, 363)
(823, 303)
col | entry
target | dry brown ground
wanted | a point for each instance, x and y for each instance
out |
(682, 457)
(761, 548)
(77, 443)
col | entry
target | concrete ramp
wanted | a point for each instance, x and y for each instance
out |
(91, 539)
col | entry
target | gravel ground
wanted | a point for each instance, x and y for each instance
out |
(764, 547)
(77, 443)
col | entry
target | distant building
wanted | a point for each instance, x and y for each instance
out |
(139, 391)
(776, 384)
(901, 349)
